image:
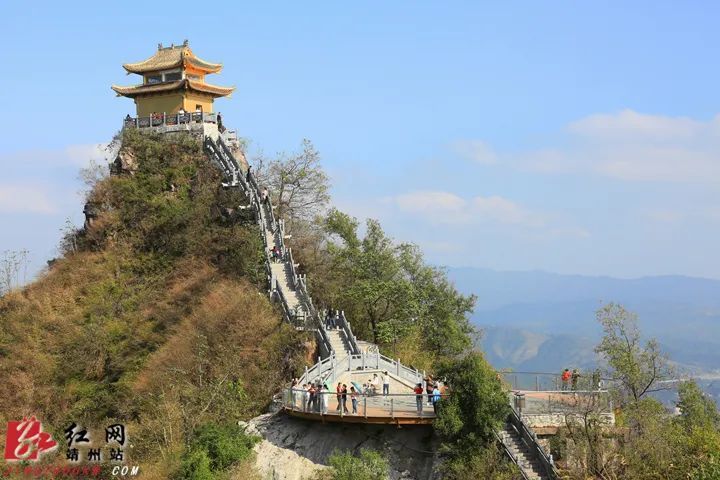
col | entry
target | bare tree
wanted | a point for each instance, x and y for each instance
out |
(13, 269)
(638, 367)
(297, 183)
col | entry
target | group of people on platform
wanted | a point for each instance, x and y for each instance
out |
(434, 389)
(315, 397)
(569, 380)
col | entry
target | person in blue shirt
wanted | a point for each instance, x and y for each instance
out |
(436, 398)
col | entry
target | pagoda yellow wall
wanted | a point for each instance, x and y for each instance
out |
(169, 103)
(192, 99)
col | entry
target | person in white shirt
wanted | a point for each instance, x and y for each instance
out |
(375, 383)
(386, 383)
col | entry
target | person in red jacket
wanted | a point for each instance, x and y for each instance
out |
(566, 379)
(419, 397)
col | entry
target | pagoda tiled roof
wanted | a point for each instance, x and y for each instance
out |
(184, 84)
(167, 58)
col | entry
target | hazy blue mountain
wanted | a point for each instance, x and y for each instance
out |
(539, 319)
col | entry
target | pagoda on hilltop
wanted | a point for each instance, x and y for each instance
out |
(173, 80)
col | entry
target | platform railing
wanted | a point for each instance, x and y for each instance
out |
(326, 402)
(552, 382)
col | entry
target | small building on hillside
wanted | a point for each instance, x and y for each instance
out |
(173, 80)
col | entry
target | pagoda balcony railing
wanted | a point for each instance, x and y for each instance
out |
(169, 119)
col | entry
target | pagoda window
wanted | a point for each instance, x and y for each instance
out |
(172, 76)
(151, 79)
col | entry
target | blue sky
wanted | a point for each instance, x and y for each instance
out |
(565, 137)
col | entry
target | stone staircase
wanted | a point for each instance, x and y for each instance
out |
(338, 343)
(521, 453)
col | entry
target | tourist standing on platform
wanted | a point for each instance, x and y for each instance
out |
(344, 393)
(565, 377)
(429, 389)
(293, 391)
(436, 399)
(575, 377)
(386, 383)
(325, 399)
(375, 383)
(354, 399)
(312, 392)
(305, 397)
(419, 397)
(338, 394)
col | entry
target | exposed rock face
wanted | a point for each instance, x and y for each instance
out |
(124, 163)
(294, 449)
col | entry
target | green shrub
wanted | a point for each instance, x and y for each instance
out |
(196, 466)
(370, 465)
(224, 444)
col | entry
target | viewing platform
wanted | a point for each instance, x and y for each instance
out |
(399, 407)
(544, 404)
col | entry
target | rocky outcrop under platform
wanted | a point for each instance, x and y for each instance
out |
(294, 449)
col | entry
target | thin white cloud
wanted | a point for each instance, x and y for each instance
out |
(78, 156)
(24, 199)
(448, 208)
(475, 150)
(630, 146)
(505, 211)
(634, 126)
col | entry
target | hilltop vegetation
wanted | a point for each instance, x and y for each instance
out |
(152, 317)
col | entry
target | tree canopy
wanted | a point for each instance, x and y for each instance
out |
(389, 292)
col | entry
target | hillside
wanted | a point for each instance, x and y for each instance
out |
(152, 318)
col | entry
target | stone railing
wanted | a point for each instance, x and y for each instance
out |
(169, 119)
(331, 368)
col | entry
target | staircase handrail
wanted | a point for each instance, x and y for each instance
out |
(291, 264)
(529, 439)
(228, 154)
(212, 147)
(347, 331)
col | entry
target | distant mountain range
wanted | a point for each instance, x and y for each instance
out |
(543, 321)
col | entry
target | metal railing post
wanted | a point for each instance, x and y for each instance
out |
(397, 367)
(392, 407)
(365, 406)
